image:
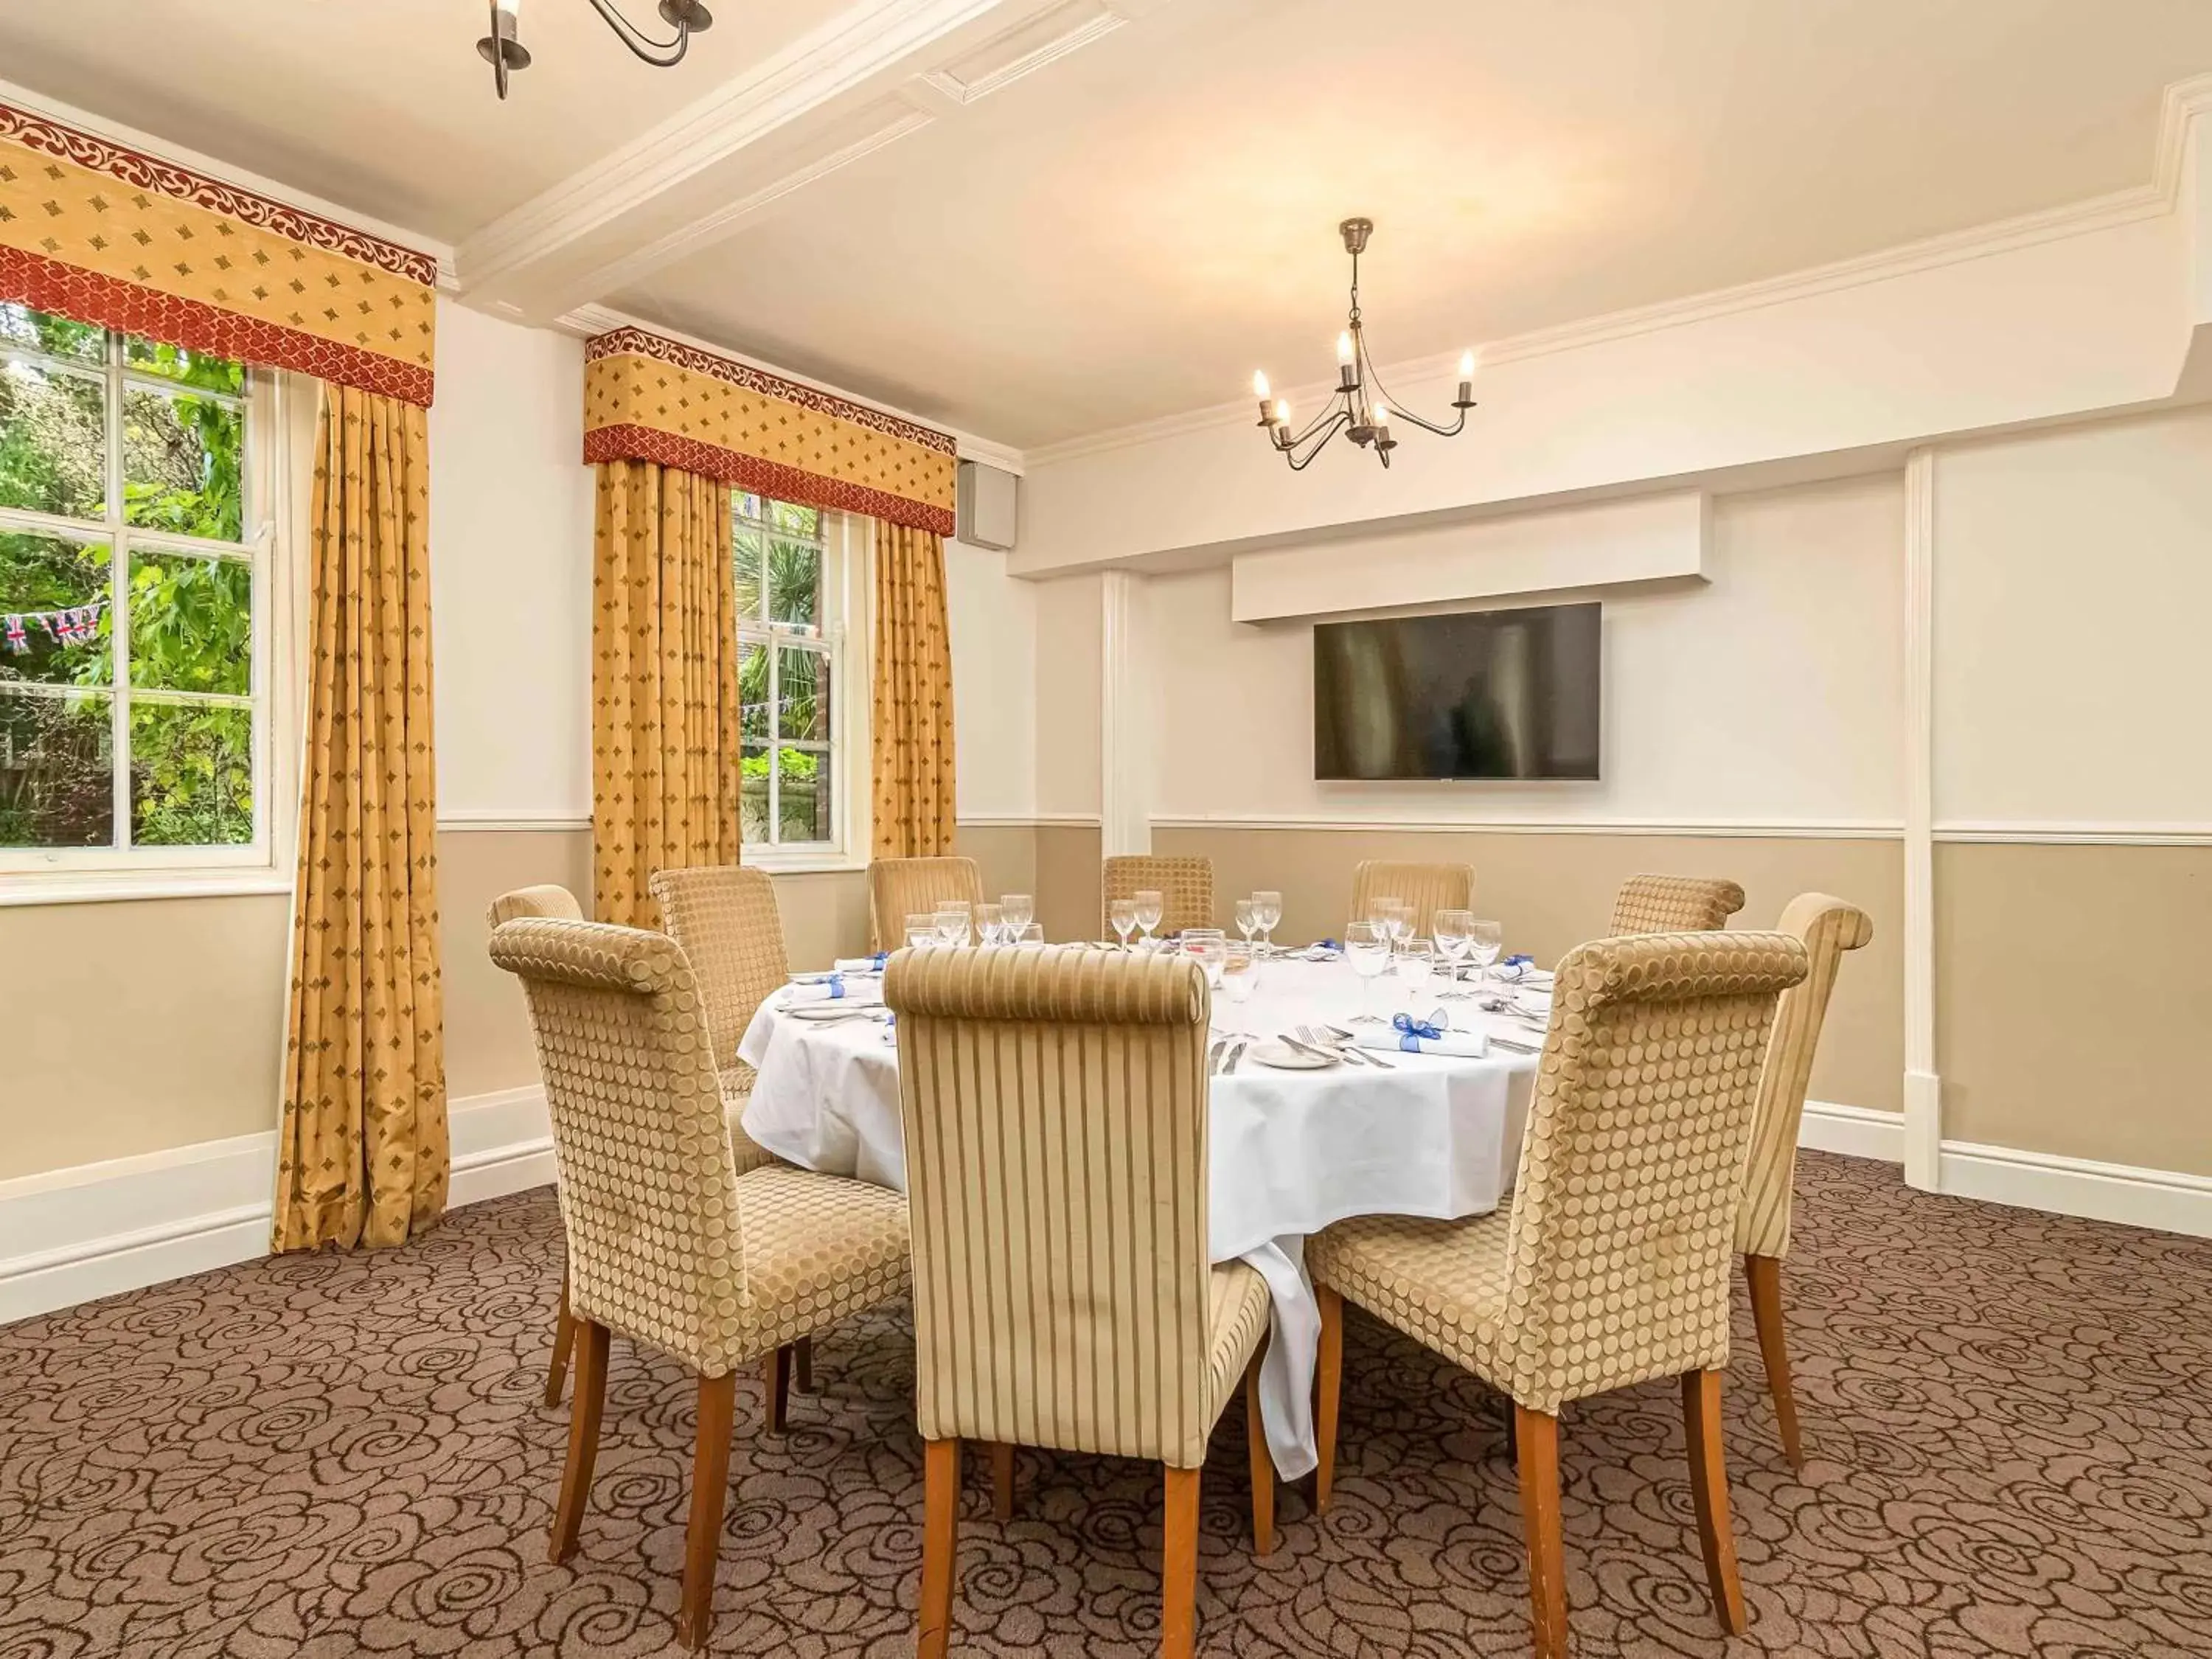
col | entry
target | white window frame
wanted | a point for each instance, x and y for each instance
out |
(81, 874)
(847, 544)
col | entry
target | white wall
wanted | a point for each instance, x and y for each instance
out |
(1069, 663)
(993, 618)
(1769, 693)
(510, 571)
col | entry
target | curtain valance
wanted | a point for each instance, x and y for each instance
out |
(649, 398)
(101, 234)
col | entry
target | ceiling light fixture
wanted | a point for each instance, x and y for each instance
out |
(504, 51)
(1362, 407)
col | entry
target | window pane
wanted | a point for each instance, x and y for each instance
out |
(795, 521)
(194, 369)
(746, 505)
(53, 454)
(746, 555)
(805, 694)
(192, 775)
(42, 579)
(752, 692)
(181, 456)
(794, 583)
(804, 791)
(57, 771)
(752, 795)
(20, 326)
(192, 624)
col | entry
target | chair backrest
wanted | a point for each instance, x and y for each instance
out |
(899, 888)
(557, 902)
(725, 919)
(1055, 1111)
(1624, 1213)
(1829, 928)
(1673, 904)
(649, 1191)
(1185, 886)
(1428, 887)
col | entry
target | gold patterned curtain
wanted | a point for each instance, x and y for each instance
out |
(912, 734)
(664, 755)
(363, 1154)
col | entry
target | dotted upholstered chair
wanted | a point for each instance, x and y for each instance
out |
(899, 888)
(1829, 928)
(1067, 1087)
(1673, 904)
(1185, 886)
(1612, 1267)
(1428, 887)
(668, 1243)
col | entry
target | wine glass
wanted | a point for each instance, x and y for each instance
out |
(1382, 911)
(1485, 940)
(1248, 920)
(1210, 948)
(953, 924)
(1019, 910)
(1240, 975)
(1453, 943)
(1266, 916)
(990, 923)
(1151, 906)
(1030, 933)
(1417, 965)
(921, 930)
(1401, 922)
(1122, 912)
(1368, 945)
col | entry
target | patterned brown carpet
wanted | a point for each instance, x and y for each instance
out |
(2009, 1418)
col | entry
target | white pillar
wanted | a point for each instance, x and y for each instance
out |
(1923, 1116)
(1126, 727)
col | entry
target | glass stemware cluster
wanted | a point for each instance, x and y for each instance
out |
(955, 922)
(1261, 913)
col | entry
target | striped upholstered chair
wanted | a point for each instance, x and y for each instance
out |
(1428, 887)
(1829, 928)
(1673, 904)
(668, 1243)
(899, 888)
(1185, 886)
(1122, 1341)
(1612, 1267)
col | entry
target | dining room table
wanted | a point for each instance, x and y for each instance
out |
(1291, 1146)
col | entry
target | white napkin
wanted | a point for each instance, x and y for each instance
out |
(1468, 1045)
(832, 989)
(860, 964)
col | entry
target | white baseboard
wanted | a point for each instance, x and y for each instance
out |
(1854, 1131)
(73, 1236)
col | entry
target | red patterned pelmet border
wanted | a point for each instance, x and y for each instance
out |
(149, 172)
(642, 343)
(785, 484)
(85, 296)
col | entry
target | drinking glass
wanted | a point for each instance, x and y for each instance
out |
(1266, 916)
(1248, 920)
(1485, 940)
(1401, 920)
(1240, 974)
(1211, 949)
(1019, 910)
(953, 924)
(921, 930)
(990, 923)
(1453, 943)
(1418, 962)
(1151, 906)
(1122, 912)
(1367, 944)
(1030, 933)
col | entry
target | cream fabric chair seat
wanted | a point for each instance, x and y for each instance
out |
(1445, 1283)
(817, 1249)
(1238, 1306)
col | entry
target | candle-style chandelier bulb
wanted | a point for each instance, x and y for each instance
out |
(1260, 384)
(1344, 348)
(1466, 364)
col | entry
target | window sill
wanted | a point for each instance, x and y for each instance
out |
(771, 862)
(114, 886)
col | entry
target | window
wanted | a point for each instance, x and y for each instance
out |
(133, 720)
(792, 602)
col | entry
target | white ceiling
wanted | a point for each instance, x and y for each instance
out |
(1129, 229)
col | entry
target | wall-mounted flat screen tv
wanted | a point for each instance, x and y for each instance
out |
(1483, 693)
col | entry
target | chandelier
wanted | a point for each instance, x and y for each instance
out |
(504, 51)
(1361, 407)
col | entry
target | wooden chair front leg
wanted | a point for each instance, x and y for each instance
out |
(1262, 1460)
(1179, 1567)
(583, 1437)
(1536, 1436)
(802, 1365)
(1002, 1480)
(1765, 1273)
(941, 1530)
(564, 1337)
(1328, 1369)
(775, 1370)
(1701, 1414)
(710, 1480)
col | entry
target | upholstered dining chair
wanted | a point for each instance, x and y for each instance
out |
(1428, 887)
(1612, 1267)
(1673, 904)
(899, 888)
(668, 1243)
(1185, 885)
(1829, 926)
(1055, 1105)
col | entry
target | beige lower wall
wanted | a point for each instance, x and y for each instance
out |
(2073, 1003)
(1067, 880)
(488, 1044)
(1552, 891)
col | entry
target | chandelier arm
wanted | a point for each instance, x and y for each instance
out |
(1451, 431)
(642, 44)
(1336, 423)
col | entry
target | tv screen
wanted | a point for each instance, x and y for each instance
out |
(1484, 694)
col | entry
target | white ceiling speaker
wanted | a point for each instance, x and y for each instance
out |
(989, 506)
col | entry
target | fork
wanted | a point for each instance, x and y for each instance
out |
(1317, 1037)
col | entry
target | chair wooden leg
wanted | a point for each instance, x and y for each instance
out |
(583, 1437)
(1701, 1413)
(1329, 1379)
(1179, 1567)
(1512, 1435)
(776, 1371)
(564, 1337)
(1002, 1480)
(802, 1365)
(1765, 1272)
(710, 1482)
(940, 1527)
(1536, 1435)
(1262, 1460)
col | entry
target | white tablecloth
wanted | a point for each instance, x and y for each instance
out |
(1291, 1151)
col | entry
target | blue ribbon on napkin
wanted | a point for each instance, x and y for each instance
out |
(836, 984)
(1411, 1031)
(1516, 966)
